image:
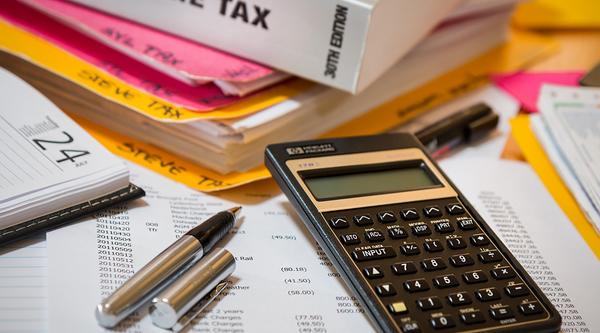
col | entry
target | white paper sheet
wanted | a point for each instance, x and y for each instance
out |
(283, 281)
(280, 276)
(23, 287)
(514, 202)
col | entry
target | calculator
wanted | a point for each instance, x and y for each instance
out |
(408, 244)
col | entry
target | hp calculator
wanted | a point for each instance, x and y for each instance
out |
(405, 240)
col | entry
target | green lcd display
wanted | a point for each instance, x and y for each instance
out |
(331, 185)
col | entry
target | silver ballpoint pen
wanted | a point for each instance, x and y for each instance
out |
(182, 301)
(165, 268)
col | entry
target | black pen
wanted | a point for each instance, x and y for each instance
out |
(465, 126)
(165, 268)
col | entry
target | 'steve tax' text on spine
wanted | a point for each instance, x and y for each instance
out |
(336, 41)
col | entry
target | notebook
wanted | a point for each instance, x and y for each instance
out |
(51, 170)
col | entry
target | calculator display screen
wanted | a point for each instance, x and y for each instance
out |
(395, 178)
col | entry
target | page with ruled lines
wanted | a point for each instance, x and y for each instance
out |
(23, 287)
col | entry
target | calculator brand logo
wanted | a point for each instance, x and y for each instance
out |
(311, 149)
(295, 151)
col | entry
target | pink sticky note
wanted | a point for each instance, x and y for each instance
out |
(199, 98)
(525, 86)
(181, 58)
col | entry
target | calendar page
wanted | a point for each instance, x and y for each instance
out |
(42, 151)
(39, 145)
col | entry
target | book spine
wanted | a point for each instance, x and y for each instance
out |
(319, 40)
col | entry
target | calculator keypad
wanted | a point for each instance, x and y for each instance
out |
(433, 268)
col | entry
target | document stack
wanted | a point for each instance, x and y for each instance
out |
(159, 78)
(568, 128)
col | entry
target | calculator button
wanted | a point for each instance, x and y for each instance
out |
(409, 214)
(404, 268)
(397, 308)
(502, 273)
(374, 236)
(474, 317)
(441, 322)
(349, 239)
(455, 209)
(487, 294)
(530, 308)
(461, 260)
(421, 230)
(474, 277)
(433, 264)
(429, 303)
(432, 211)
(458, 299)
(433, 245)
(373, 254)
(467, 224)
(410, 327)
(443, 227)
(516, 290)
(445, 281)
(363, 220)
(386, 289)
(397, 232)
(373, 272)
(416, 285)
(457, 243)
(503, 312)
(386, 217)
(479, 240)
(338, 223)
(409, 249)
(489, 256)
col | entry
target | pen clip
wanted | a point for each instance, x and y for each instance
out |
(198, 307)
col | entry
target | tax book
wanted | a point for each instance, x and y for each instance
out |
(51, 170)
(336, 43)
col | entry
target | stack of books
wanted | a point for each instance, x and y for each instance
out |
(215, 82)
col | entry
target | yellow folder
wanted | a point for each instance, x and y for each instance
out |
(541, 164)
(24, 45)
(574, 14)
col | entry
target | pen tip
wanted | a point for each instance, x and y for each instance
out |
(235, 211)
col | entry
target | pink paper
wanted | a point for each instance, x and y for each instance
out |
(187, 60)
(198, 98)
(525, 86)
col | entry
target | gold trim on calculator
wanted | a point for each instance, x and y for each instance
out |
(370, 158)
